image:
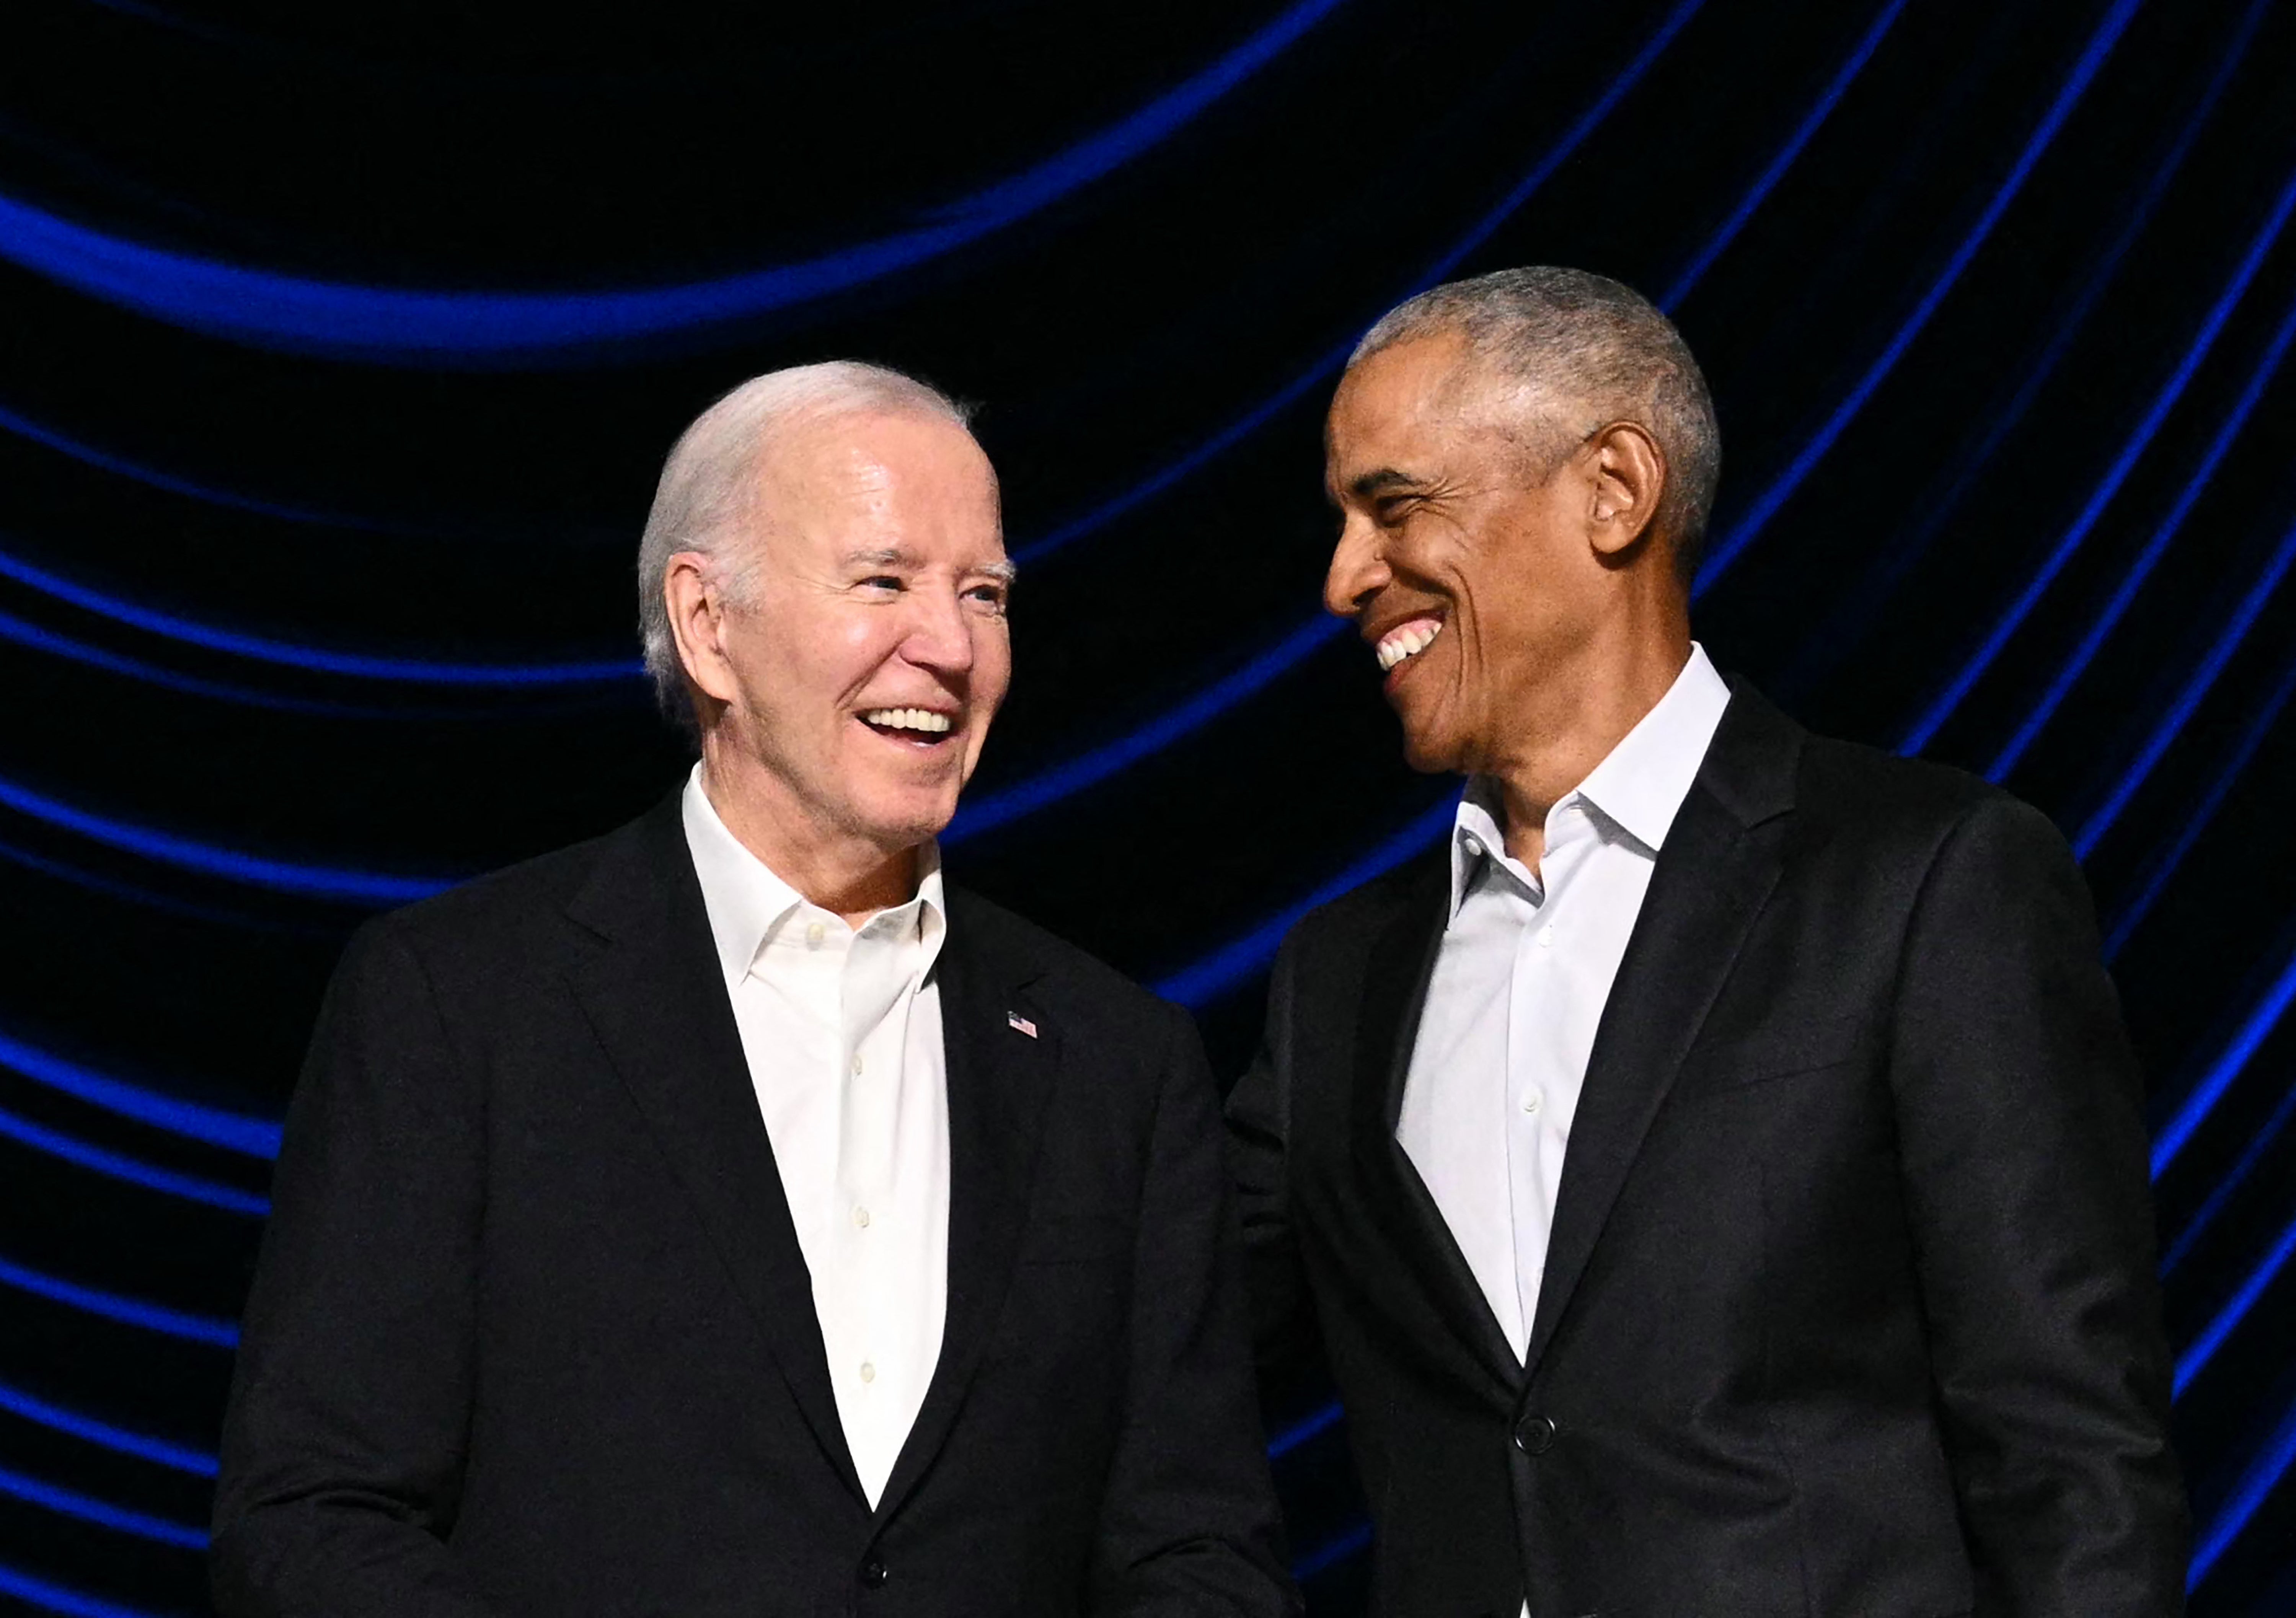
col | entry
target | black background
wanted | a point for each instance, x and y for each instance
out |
(1988, 294)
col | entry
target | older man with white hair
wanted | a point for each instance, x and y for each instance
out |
(729, 1216)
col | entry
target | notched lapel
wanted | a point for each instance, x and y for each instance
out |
(1722, 857)
(1401, 966)
(1000, 1081)
(655, 996)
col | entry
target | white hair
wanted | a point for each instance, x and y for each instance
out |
(703, 502)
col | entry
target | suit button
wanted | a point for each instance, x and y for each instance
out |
(873, 1574)
(1534, 1435)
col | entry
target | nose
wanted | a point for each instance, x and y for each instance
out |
(1359, 570)
(940, 633)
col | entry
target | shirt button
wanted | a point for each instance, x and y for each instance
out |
(813, 936)
(857, 1064)
(1546, 935)
(1473, 846)
(868, 1371)
(861, 1216)
(1531, 1103)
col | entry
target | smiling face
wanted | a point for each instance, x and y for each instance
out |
(1471, 575)
(863, 649)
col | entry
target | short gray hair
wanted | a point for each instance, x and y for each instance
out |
(1569, 338)
(703, 499)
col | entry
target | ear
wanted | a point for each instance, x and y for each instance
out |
(697, 619)
(1629, 475)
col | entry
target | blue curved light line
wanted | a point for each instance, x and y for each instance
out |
(1300, 1432)
(2260, 1141)
(1901, 555)
(129, 1311)
(233, 1131)
(1330, 362)
(2109, 487)
(995, 809)
(143, 1446)
(101, 1513)
(119, 1165)
(363, 887)
(2141, 568)
(1733, 542)
(1354, 1541)
(150, 898)
(52, 1598)
(2196, 689)
(1201, 983)
(2195, 818)
(2253, 1031)
(404, 325)
(2203, 1349)
(318, 659)
(39, 639)
(2261, 1478)
(1819, 112)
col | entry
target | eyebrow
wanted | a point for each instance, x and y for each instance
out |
(1002, 570)
(1383, 481)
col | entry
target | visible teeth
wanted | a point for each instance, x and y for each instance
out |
(908, 719)
(1406, 643)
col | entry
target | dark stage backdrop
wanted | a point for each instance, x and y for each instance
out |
(339, 347)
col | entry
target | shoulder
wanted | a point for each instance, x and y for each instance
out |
(1076, 978)
(1911, 808)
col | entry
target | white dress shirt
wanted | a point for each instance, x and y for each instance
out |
(841, 1029)
(1521, 976)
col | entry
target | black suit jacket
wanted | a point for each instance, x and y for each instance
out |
(1849, 1307)
(531, 1333)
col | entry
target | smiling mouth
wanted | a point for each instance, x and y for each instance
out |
(913, 726)
(1405, 641)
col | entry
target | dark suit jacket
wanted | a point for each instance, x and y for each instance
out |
(1849, 1308)
(531, 1333)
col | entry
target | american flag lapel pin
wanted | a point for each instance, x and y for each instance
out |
(1013, 1019)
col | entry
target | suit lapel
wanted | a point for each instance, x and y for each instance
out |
(1000, 1082)
(1722, 857)
(1401, 966)
(655, 996)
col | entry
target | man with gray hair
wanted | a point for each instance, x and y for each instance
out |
(1716, 1173)
(729, 1216)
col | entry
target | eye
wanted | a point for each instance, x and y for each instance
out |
(883, 581)
(988, 596)
(1389, 509)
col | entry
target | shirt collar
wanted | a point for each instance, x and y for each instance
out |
(1639, 787)
(746, 901)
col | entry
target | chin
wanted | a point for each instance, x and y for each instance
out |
(1430, 755)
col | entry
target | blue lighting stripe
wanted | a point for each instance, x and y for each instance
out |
(2263, 1475)
(268, 649)
(104, 1514)
(129, 1311)
(2258, 1143)
(2203, 1349)
(1198, 984)
(417, 326)
(143, 1446)
(135, 472)
(52, 644)
(2141, 569)
(1355, 1542)
(985, 813)
(56, 1144)
(2195, 820)
(52, 1598)
(2196, 688)
(1300, 1432)
(1819, 112)
(2261, 1020)
(1732, 544)
(2116, 474)
(233, 1131)
(1329, 364)
(365, 887)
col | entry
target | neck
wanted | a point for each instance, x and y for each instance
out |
(1581, 717)
(839, 870)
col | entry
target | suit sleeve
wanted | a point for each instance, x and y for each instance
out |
(2026, 1179)
(343, 1443)
(1259, 1144)
(1189, 1525)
